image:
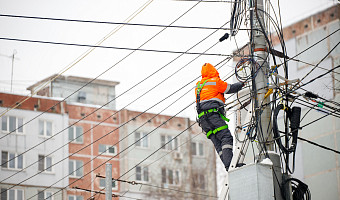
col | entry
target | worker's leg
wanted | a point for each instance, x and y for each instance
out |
(227, 146)
(207, 125)
(223, 138)
(217, 144)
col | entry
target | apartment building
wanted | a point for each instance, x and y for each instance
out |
(34, 161)
(93, 134)
(169, 156)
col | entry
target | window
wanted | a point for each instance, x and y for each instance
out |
(75, 168)
(47, 195)
(12, 194)
(142, 173)
(199, 181)
(10, 123)
(44, 163)
(75, 197)
(75, 134)
(102, 184)
(197, 149)
(172, 145)
(45, 128)
(141, 139)
(171, 177)
(105, 149)
(11, 160)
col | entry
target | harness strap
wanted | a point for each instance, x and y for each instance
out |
(216, 130)
(198, 93)
(213, 110)
(199, 88)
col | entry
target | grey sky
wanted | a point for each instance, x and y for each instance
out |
(37, 61)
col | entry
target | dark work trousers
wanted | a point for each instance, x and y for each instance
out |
(222, 140)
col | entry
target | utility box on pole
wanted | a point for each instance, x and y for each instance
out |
(252, 182)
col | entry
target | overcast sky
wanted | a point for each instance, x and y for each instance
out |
(34, 62)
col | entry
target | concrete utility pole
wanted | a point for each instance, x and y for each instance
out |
(264, 132)
(263, 178)
(108, 181)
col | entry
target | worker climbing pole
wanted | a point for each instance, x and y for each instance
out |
(211, 113)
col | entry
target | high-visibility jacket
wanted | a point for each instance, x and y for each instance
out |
(214, 88)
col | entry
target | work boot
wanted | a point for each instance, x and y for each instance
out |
(240, 165)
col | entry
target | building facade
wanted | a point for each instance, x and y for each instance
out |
(93, 134)
(168, 156)
(89, 134)
(77, 89)
(32, 162)
(94, 141)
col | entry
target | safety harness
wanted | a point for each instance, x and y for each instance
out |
(198, 98)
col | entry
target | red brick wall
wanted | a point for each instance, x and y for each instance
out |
(11, 100)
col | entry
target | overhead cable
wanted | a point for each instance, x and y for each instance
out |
(156, 85)
(100, 123)
(82, 56)
(110, 47)
(112, 23)
(108, 70)
(146, 4)
(319, 145)
(113, 156)
(118, 142)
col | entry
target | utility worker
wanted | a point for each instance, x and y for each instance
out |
(211, 114)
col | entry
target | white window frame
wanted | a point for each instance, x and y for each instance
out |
(106, 152)
(173, 145)
(176, 175)
(45, 128)
(74, 171)
(101, 180)
(46, 195)
(16, 124)
(140, 142)
(75, 197)
(74, 129)
(16, 163)
(15, 193)
(49, 170)
(142, 175)
(197, 149)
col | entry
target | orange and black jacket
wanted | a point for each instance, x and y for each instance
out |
(212, 93)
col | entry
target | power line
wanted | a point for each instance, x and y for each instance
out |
(116, 143)
(320, 61)
(155, 186)
(146, 4)
(138, 183)
(131, 53)
(319, 145)
(98, 125)
(100, 192)
(156, 85)
(86, 53)
(113, 156)
(110, 47)
(334, 113)
(112, 23)
(98, 140)
(111, 68)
